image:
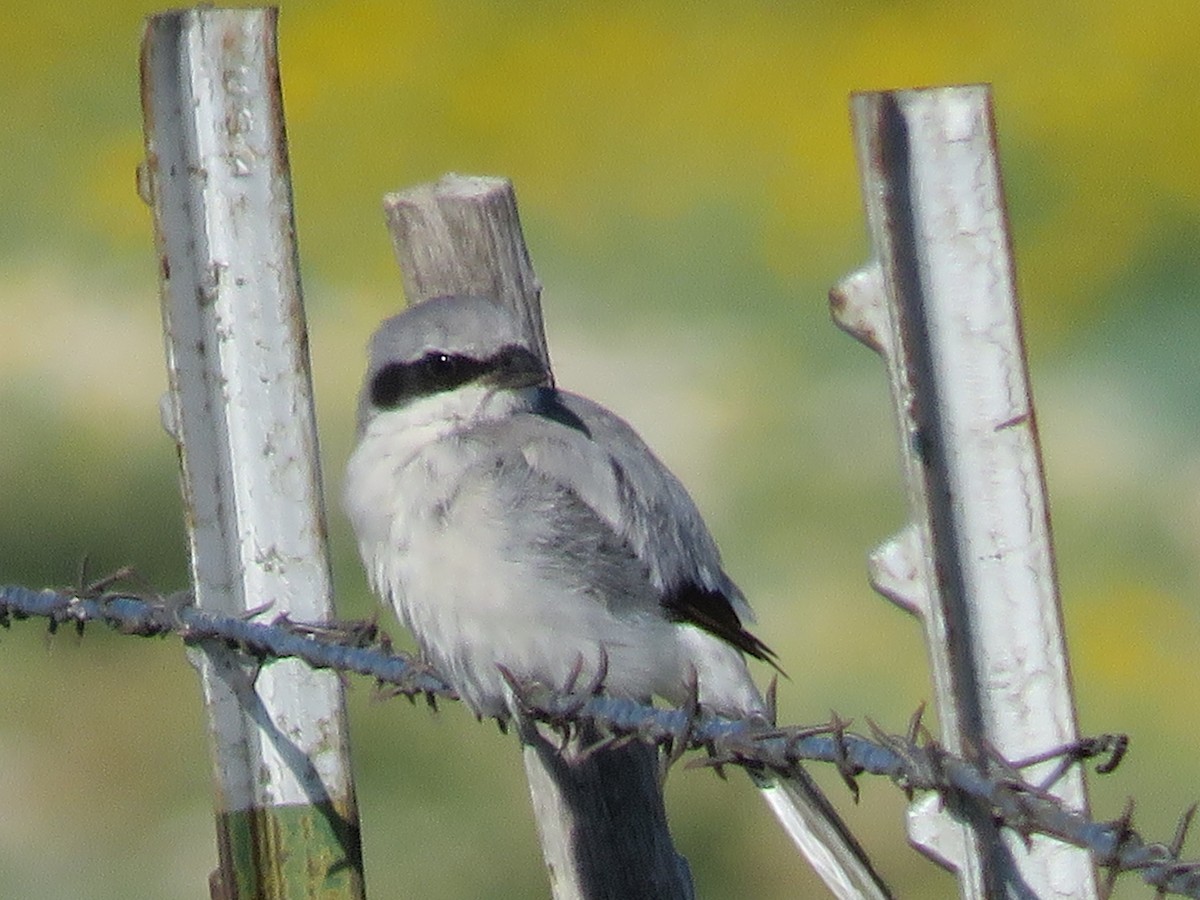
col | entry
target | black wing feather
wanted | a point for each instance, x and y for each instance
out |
(712, 611)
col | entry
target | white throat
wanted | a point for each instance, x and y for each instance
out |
(390, 441)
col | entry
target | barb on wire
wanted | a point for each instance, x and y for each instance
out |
(914, 760)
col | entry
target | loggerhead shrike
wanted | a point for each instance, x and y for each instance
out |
(514, 525)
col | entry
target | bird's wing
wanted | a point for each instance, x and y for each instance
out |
(596, 468)
(549, 523)
(611, 515)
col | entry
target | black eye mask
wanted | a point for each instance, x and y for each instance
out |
(399, 383)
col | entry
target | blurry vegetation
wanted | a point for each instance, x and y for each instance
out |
(688, 187)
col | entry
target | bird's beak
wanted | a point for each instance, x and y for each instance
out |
(519, 368)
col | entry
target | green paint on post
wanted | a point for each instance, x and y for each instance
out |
(288, 853)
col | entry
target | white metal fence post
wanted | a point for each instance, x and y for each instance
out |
(976, 565)
(240, 408)
(602, 822)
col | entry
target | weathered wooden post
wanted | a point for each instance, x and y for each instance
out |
(602, 823)
(240, 408)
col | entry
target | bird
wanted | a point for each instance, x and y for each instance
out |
(523, 531)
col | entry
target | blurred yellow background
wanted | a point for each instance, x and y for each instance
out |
(688, 190)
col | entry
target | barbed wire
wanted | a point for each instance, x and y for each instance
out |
(358, 647)
(913, 760)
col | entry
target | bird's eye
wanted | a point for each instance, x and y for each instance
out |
(439, 371)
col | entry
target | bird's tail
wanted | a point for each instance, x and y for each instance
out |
(820, 834)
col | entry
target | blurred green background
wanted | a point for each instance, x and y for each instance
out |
(688, 190)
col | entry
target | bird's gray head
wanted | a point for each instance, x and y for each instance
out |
(444, 344)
